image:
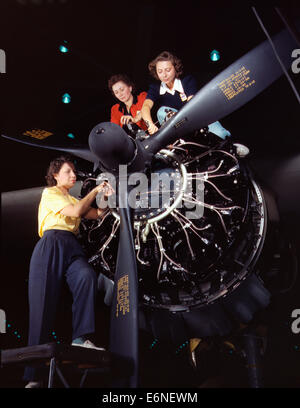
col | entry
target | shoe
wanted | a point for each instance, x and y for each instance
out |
(88, 344)
(241, 150)
(34, 384)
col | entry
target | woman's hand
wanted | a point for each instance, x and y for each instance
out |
(146, 115)
(105, 188)
(83, 206)
(152, 128)
(125, 119)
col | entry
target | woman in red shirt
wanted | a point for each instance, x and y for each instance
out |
(128, 110)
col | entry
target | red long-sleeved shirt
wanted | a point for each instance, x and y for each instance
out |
(117, 111)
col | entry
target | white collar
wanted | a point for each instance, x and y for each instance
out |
(176, 87)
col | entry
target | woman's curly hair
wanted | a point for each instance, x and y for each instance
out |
(166, 56)
(54, 167)
(120, 77)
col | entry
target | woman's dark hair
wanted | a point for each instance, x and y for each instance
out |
(166, 56)
(120, 77)
(54, 167)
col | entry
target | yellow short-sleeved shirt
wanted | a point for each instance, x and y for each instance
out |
(49, 216)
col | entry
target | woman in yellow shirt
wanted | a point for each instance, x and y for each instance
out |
(58, 256)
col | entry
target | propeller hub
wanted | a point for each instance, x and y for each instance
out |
(111, 144)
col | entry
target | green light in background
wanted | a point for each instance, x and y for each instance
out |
(71, 136)
(66, 98)
(214, 55)
(63, 47)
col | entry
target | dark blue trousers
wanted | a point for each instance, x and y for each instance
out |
(58, 256)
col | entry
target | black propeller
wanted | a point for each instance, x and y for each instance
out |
(124, 312)
(114, 147)
(81, 151)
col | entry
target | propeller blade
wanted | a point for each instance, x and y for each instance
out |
(113, 146)
(124, 312)
(77, 150)
(228, 91)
